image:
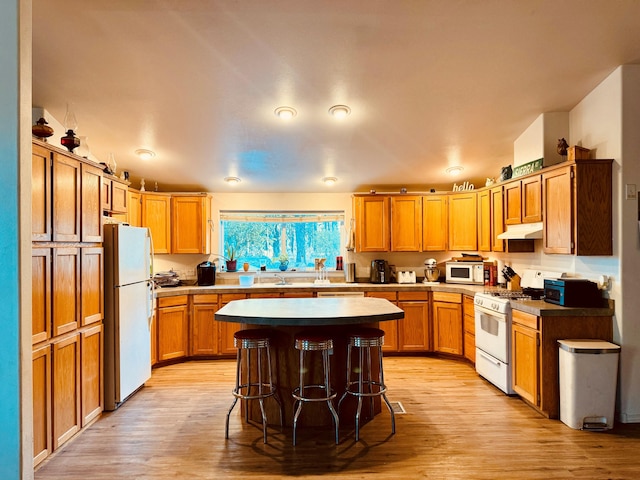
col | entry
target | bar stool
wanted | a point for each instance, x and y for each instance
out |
(258, 339)
(307, 341)
(365, 339)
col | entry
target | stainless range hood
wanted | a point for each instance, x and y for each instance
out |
(523, 231)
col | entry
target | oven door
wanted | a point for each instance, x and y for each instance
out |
(493, 332)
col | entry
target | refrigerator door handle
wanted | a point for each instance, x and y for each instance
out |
(149, 302)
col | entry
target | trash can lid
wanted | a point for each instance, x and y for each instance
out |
(588, 346)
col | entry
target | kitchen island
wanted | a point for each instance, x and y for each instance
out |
(288, 316)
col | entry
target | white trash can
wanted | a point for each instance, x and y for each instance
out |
(588, 380)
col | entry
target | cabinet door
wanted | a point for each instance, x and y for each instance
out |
(119, 198)
(558, 207)
(172, 332)
(41, 375)
(413, 329)
(406, 223)
(190, 225)
(92, 285)
(40, 194)
(91, 203)
(484, 221)
(66, 199)
(463, 221)
(525, 362)
(227, 329)
(469, 328)
(372, 223)
(497, 219)
(532, 199)
(91, 350)
(40, 294)
(106, 194)
(447, 328)
(134, 208)
(513, 203)
(389, 327)
(66, 389)
(204, 331)
(434, 223)
(66, 290)
(156, 217)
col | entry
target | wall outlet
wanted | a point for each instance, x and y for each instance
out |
(631, 192)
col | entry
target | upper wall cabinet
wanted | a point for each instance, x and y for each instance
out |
(191, 224)
(497, 219)
(66, 198)
(463, 221)
(484, 221)
(40, 194)
(91, 208)
(577, 201)
(522, 201)
(406, 223)
(372, 223)
(156, 216)
(434, 223)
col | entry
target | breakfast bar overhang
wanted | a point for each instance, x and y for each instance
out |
(288, 316)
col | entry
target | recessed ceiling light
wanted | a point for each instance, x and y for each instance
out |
(145, 154)
(232, 180)
(329, 180)
(453, 171)
(285, 113)
(340, 111)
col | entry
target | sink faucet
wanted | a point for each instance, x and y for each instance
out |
(282, 279)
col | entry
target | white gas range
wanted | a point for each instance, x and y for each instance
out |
(493, 327)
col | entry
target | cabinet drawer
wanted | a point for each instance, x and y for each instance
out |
(419, 296)
(228, 297)
(387, 295)
(172, 301)
(447, 297)
(205, 298)
(525, 319)
(265, 295)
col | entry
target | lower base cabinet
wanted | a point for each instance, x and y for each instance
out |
(66, 388)
(204, 328)
(227, 329)
(447, 323)
(42, 440)
(92, 358)
(173, 327)
(469, 328)
(413, 329)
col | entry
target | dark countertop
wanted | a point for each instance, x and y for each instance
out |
(544, 309)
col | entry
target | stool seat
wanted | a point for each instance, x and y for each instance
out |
(366, 339)
(314, 341)
(258, 339)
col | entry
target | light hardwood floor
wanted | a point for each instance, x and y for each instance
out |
(456, 426)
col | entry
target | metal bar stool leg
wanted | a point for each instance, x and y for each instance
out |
(235, 391)
(327, 387)
(384, 395)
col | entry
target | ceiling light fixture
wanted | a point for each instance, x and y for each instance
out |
(145, 154)
(453, 171)
(232, 180)
(340, 111)
(329, 180)
(285, 113)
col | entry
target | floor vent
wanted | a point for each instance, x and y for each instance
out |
(397, 408)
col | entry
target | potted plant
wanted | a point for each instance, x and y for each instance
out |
(231, 258)
(284, 261)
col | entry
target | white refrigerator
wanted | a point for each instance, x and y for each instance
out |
(128, 311)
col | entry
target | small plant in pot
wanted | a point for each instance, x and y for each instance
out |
(231, 258)
(284, 262)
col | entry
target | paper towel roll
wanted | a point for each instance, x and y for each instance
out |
(501, 279)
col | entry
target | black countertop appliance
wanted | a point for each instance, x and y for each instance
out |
(206, 274)
(380, 272)
(572, 292)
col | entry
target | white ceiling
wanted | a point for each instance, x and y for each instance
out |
(431, 84)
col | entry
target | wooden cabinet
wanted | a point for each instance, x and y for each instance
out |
(413, 329)
(372, 215)
(497, 219)
(66, 290)
(484, 221)
(91, 187)
(389, 327)
(41, 376)
(522, 201)
(534, 353)
(41, 194)
(92, 285)
(40, 294)
(469, 328)
(66, 388)
(156, 216)
(204, 328)
(434, 223)
(66, 210)
(406, 223)
(91, 368)
(173, 327)
(114, 195)
(463, 221)
(447, 323)
(227, 329)
(577, 201)
(134, 208)
(191, 224)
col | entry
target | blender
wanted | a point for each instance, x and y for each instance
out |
(431, 271)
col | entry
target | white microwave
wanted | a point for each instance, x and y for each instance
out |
(469, 273)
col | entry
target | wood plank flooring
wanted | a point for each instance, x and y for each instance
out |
(456, 426)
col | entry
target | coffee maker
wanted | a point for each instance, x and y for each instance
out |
(380, 272)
